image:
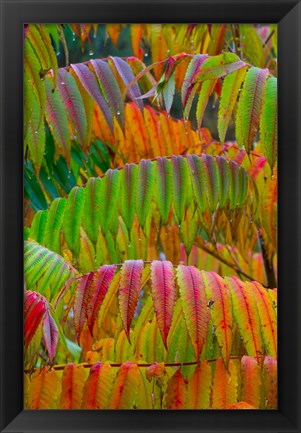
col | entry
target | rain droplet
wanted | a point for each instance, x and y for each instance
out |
(73, 37)
(91, 53)
(62, 83)
(48, 177)
(168, 51)
(145, 54)
(69, 174)
(36, 132)
(213, 106)
(58, 53)
(118, 113)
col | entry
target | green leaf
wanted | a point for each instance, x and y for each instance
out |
(249, 107)
(127, 203)
(230, 90)
(57, 120)
(163, 190)
(52, 239)
(169, 92)
(73, 218)
(109, 200)
(32, 68)
(38, 225)
(218, 66)
(144, 189)
(91, 221)
(204, 95)
(268, 122)
(180, 185)
(74, 105)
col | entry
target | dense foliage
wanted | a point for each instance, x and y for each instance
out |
(150, 253)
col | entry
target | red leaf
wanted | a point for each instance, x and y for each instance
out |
(79, 311)
(164, 295)
(35, 309)
(50, 335)
(130, 286)
(96, 291)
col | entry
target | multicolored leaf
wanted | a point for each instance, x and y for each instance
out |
(192, 292)
(164, 295)
(220, 311)
(130, 286)
(249, 107)
(225, 384)
(246, 314)
(98, 386)
(126, 387)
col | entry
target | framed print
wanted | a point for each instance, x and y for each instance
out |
(150, 216)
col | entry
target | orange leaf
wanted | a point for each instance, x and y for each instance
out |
(270, 382)
(73, 380)
(126, 387)
(44, 389)
(175, 392)
(225, 385)
(98, 387)
(241, 405)
(199, 387)
(251, 381)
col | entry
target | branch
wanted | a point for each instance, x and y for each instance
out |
(268, 265)
(118, 364)
(231, 265)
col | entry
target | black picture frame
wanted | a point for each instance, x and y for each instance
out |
(13, 14)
